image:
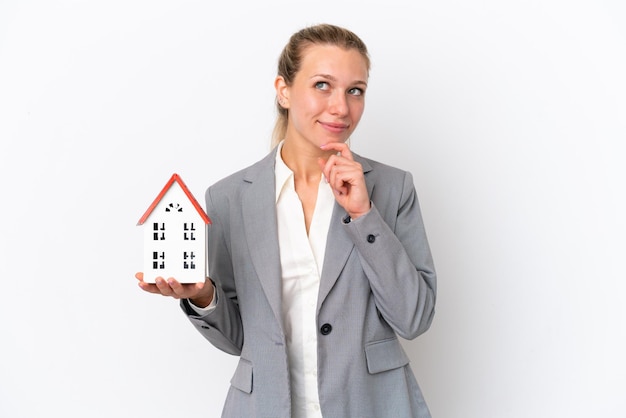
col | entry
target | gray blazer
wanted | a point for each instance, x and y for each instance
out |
(377, 283)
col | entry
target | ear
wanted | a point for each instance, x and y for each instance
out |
(282, 91)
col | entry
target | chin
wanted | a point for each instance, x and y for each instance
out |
(334, 139)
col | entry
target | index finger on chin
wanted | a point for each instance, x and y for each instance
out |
(342, 147)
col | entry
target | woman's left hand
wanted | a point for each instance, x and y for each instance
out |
(345, 177)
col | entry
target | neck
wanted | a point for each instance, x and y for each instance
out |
(302, 159)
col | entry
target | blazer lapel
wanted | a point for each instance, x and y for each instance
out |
(261, 229)
(338, 244)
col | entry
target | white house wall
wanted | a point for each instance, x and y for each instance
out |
(179, 249)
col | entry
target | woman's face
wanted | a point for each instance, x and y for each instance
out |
(327, 97)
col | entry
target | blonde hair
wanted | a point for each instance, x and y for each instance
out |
(291, 59)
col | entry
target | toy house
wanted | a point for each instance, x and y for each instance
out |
(175, 228)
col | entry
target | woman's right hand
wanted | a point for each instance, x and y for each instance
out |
(200, 294)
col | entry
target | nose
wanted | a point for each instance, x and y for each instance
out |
(338, 104)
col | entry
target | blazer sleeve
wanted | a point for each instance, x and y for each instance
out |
(221, 326)
(397, 261)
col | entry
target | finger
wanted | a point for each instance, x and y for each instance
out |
(184, 290)
(148, 287)
(177, 288)
(337, 180)
(163, 286)
(342, 168)
(332, 167)
(340, 147)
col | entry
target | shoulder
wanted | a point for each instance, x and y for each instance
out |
(391, 189)
(376, 172)
(234, 182)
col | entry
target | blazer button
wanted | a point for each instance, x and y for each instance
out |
(326, 329)
(371, 238)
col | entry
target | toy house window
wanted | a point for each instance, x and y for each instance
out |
(158, 260)
(174, 207)
(188, 262)
(189, 229)
(159, 231)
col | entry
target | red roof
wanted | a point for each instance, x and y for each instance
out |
(175, 178)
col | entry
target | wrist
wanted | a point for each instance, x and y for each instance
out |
(355, 215)
(201, 302)
(204, 300)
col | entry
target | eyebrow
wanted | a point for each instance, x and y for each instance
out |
(333, 78)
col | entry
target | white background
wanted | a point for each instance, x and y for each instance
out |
(511, 115)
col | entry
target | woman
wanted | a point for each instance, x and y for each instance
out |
(318, 257)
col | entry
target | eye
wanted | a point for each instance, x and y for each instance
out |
(355, 91)
(322, 85)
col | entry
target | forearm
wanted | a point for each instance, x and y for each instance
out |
(219, 323)
(399, 268)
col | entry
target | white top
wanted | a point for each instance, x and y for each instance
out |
(301, 261)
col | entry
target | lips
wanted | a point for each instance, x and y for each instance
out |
(334, 127)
